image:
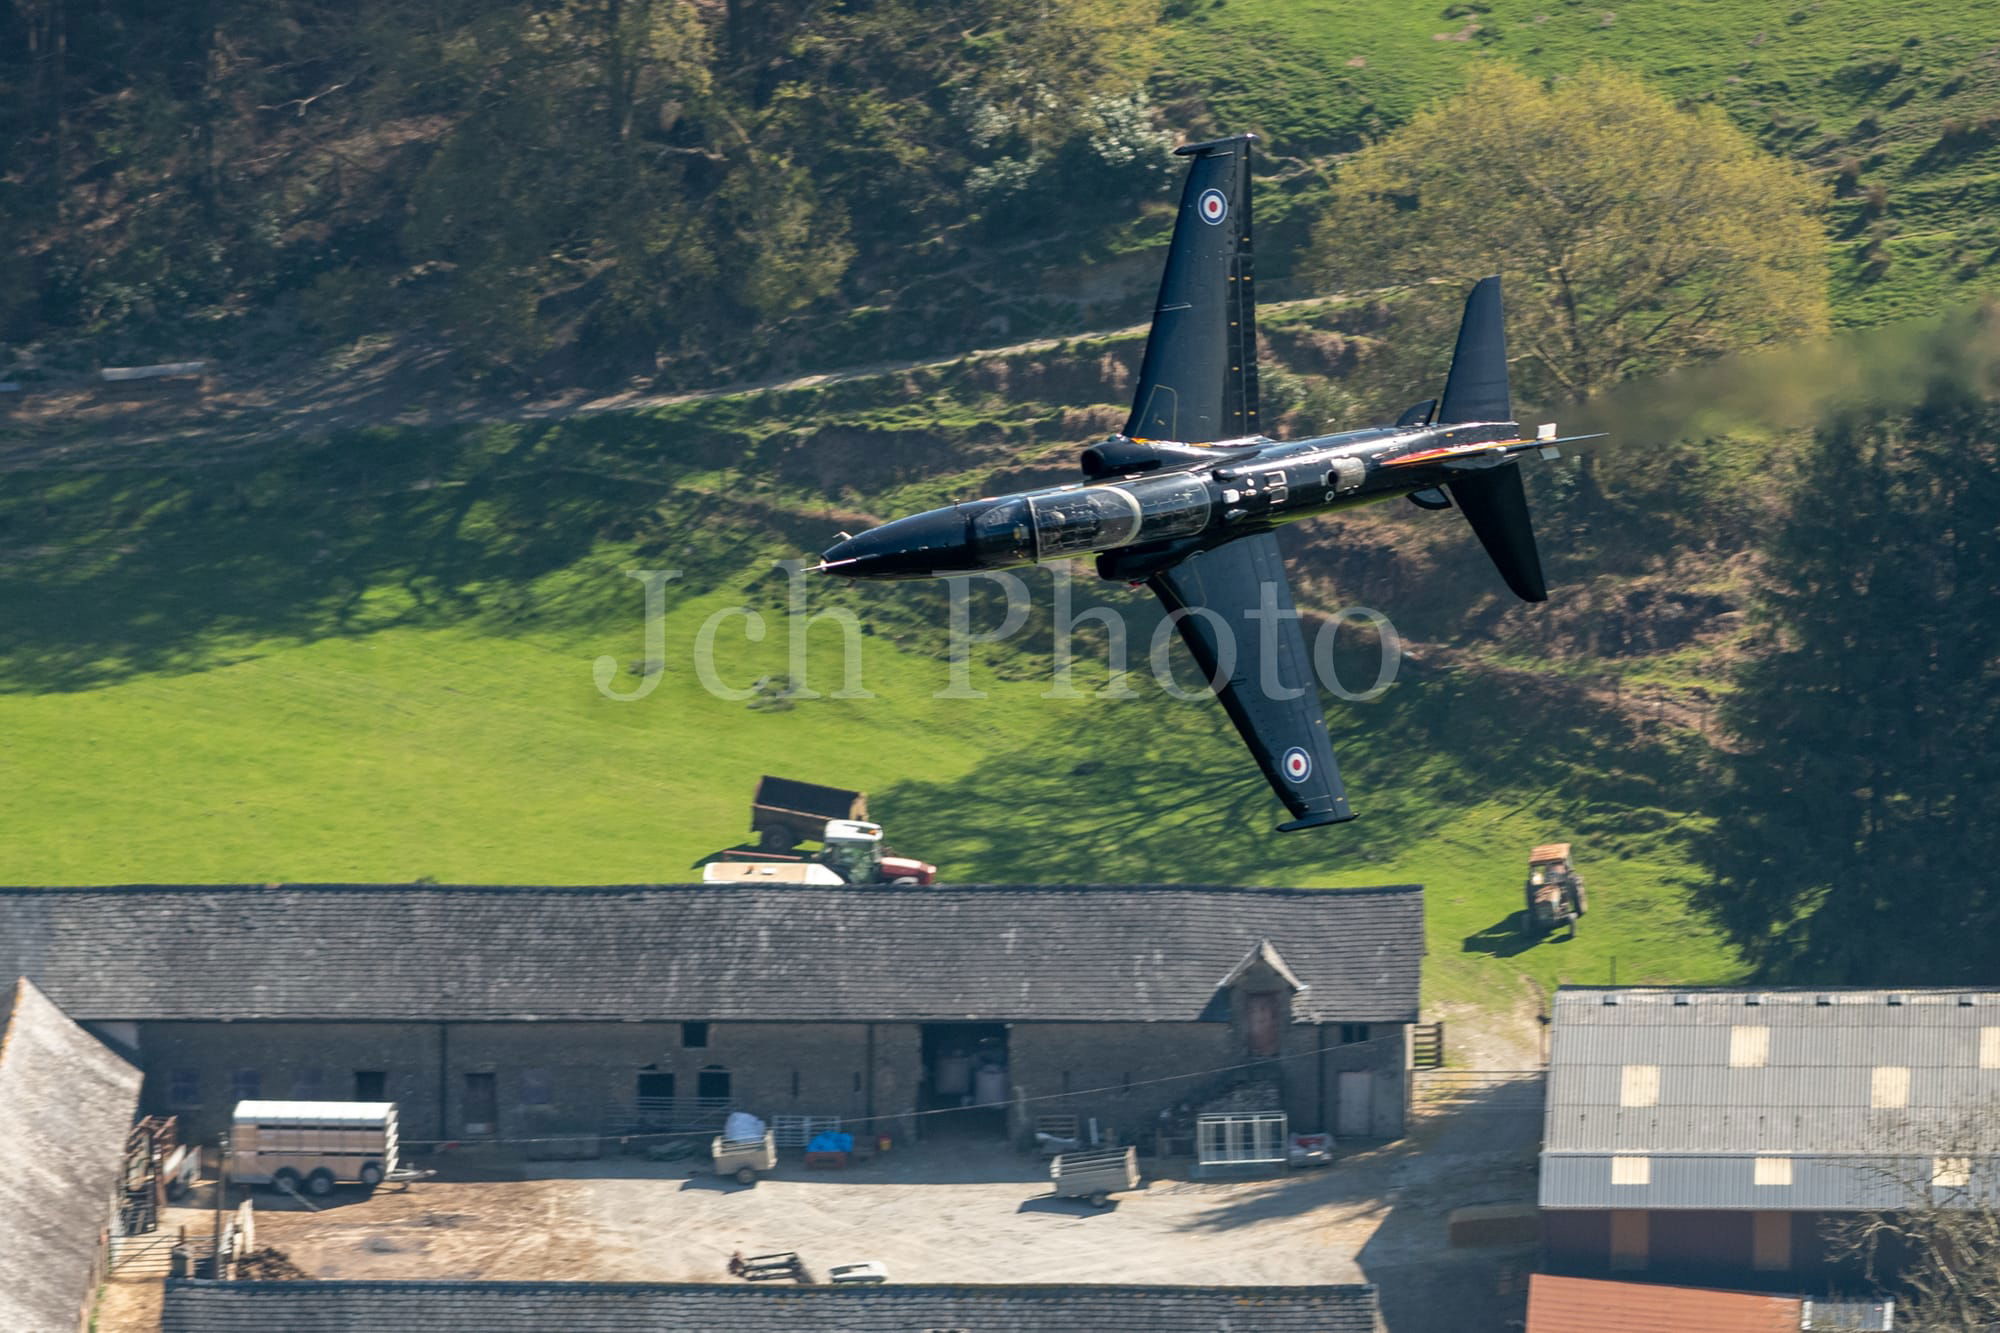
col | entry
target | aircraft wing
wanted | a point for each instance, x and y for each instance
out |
(1198, 380)
(1259, 668)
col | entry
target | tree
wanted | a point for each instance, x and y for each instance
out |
(1632, 234)
(1853, 837)
(1935, 1242)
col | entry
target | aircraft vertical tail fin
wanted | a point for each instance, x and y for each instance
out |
(1476, 388)
(1198, 381)
(1492, 500)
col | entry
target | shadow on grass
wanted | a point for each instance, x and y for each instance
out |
(187, 564)
(1505, 938)
(1156, 789)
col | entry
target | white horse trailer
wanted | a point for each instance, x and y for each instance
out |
(312, 1145)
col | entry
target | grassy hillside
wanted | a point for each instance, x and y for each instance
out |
(371, 658)
(1902, 100)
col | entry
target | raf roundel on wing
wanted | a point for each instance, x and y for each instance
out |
(1212, 206)
(1298, 764)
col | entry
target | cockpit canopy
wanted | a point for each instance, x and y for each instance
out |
(1075, 520)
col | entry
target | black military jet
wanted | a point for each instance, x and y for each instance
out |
(1186, 498)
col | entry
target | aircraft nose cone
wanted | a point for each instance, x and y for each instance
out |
(913, 547)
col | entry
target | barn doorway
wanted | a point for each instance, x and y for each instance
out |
(712, 1085)
(653, 1098)
(967, 1083)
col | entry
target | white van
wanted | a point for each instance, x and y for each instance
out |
(312, 1145)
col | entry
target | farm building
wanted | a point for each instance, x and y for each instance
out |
(525, 1013)
(1709, 1136)
(66, 1105)
(1594, 1305)
(617, 1307)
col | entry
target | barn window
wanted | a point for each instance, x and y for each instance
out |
(537, 1089)
(1352, 1034)
(712, 1084)
(184, 1087)
(245, 1085)
(694, 1036)
(795, 1084)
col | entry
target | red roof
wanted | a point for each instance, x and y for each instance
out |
(1585, 1305)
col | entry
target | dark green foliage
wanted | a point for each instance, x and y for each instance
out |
(1854, 837)
(618, 181)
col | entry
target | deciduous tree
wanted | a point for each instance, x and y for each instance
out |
(1632, 233)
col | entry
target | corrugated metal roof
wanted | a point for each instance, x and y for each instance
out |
(1590, 1305)
(1859, 1087)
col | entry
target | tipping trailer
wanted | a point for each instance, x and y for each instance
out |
(314, 1145)
(1095, 1175)
(785, 812)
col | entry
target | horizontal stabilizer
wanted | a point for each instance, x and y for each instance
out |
(1476, 389)
(1496, 506)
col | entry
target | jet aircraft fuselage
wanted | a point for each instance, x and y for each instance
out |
(1158, 502)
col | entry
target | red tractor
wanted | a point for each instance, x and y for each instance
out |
(1554, 890)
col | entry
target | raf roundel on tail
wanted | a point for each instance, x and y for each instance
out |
(1187, 499)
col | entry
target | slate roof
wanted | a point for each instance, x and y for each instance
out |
(66, 1104)
(1780, 1099)
(616, 1307)
(704, 952)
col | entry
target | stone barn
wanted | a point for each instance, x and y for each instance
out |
(548, 1014)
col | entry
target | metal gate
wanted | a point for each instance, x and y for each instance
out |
(1242, 1138)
